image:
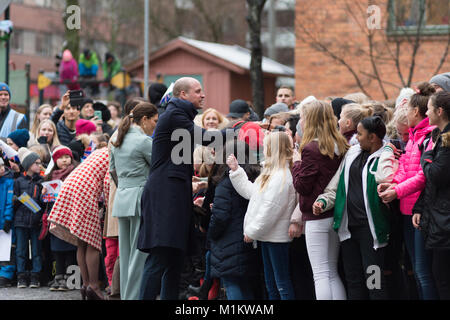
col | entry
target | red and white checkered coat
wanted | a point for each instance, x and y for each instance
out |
(75, 214)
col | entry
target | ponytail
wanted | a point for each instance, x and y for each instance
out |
(143, 109)
(124, 126)
(424, 91)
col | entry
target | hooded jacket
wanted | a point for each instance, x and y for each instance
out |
(409, 176)
(434, 201)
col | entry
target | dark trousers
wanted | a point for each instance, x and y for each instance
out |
(161, 275)
(358, 255)
(300, 268)
(441, 272)
(64, 259)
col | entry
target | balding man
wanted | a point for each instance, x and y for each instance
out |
(166, 220)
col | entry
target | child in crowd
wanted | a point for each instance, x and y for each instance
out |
(272, 202)
(64, 252)
(27, 222)
(7, 268)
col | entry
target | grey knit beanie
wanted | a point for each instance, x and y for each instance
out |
(442, 80)
(27, 158)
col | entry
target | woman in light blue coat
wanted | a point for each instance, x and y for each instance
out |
(129, 166)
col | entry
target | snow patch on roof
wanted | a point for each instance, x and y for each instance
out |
(239, 56)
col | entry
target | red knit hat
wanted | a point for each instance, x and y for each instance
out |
(252, 134)
(61, 151)
(84, 126)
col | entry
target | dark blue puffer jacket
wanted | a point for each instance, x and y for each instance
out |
(230, 255)
(24, 217)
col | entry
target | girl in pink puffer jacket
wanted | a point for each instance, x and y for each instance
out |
(408, 183)
(409, 177)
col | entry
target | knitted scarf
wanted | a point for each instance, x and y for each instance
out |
(62, 174)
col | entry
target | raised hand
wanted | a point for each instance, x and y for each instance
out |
(232, 162)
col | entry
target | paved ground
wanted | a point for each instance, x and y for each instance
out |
(42, 293)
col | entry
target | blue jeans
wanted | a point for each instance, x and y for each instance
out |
(238, 288)
(421, 260)
(22, 236)
(275, 258)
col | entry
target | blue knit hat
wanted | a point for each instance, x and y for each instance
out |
(5, 87)
(20, 137)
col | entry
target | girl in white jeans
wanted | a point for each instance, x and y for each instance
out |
(322, 243)
(322, 148)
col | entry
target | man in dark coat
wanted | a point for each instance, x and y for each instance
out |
(66, 127)
(166, 219)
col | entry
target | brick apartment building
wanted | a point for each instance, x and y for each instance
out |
(332, 42)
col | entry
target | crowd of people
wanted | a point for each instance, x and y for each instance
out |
(344, 198)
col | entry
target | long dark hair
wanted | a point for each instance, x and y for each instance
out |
(131, 103)
(442, 100)
(143, 109)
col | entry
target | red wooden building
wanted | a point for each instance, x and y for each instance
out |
(223, 70)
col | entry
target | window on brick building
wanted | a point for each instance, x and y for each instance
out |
(407, 15)
(17, 41)
(43, 44)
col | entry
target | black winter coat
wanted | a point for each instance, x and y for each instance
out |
(230, 255)
(65, 135)
(434, 201)
(167, 216)
(24, 217)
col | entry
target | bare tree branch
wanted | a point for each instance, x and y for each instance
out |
(416, 43)
(445, 54)
(324, 49)
(384, 81)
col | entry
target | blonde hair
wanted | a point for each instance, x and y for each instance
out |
(358, 97)
(321, 124)
(218, 114)
(85, 139)
(283, 116)
(34, 128)
(278, 152)
(380, 109)
(102, 138)
(355, 112)
(43, 153)
(55, 141)
(400, 117)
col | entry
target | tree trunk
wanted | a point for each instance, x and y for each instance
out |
(255, 8)
(72, 36)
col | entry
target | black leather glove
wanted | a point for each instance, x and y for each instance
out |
(7, 226)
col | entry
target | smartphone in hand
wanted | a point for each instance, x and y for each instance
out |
(76, 98)
(98, 114)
